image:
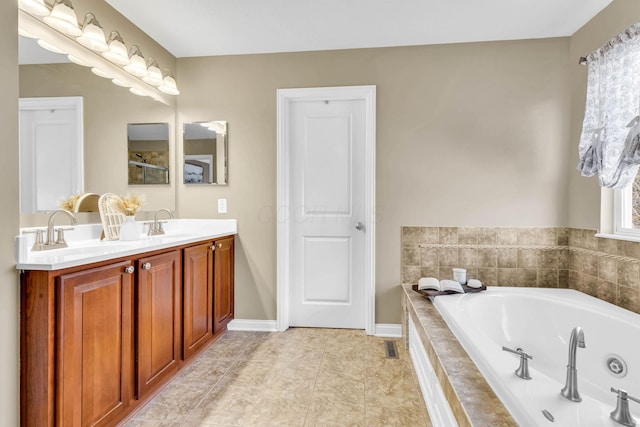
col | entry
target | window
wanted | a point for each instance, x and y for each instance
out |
(627, 210)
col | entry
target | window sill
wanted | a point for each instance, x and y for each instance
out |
(618, 237)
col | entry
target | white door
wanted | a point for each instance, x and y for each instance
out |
(51, 152)
(327, 143)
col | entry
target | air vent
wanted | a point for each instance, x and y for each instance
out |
(391, 350)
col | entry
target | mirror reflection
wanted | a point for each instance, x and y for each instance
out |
(148, 148)
(205, 153)
(107, 110)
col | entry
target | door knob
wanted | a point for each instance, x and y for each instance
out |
(359, 226)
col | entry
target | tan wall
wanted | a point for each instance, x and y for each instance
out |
(467, 135)
(584, 193)
(107, 111)
(9, 288)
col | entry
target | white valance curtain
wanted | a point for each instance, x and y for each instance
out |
(610, 141)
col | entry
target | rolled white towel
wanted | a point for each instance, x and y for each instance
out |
(474, 283)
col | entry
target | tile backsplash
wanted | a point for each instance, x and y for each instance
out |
(527, 256)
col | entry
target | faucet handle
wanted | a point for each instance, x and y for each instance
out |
(518, 351)
(523, 369)
(621, 414)
(624, 395)
(60, 240)
(38, 245)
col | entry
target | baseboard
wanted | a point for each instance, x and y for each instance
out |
(388, 330)
(382, 329)
(252, 325)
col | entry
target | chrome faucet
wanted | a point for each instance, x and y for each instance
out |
(523, 369)
(156, 228)
(51, 242)
(570, 389)
(621, 414)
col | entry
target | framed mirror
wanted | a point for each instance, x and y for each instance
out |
(148, 153)
(205, 153)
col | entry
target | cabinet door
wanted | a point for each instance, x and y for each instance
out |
(197, 285)
(223, 283)
(95, 346)
(158, 319)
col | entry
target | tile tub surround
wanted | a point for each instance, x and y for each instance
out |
(607, 269)
(470, 397)
(300, 377)
(527, 256)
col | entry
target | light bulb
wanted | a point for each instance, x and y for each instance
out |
(169, 86)
(51, 48)
(117, 52)
(92, 35)
(63, 18)
(101, 73)
(137, 65)
(34, 7)
(78, 61)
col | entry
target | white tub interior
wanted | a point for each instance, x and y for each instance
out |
(540, 322)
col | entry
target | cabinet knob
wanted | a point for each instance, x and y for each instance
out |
(130, 269)
(219, 245)
(213, 247)
(146, 266)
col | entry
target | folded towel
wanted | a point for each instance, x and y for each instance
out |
(474, 283)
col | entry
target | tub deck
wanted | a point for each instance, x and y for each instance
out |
(472, 400)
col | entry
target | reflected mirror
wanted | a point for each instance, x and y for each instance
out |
(205, 153)
(148, 148)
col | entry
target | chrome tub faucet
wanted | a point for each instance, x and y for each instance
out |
(570, 389)
(621, 414)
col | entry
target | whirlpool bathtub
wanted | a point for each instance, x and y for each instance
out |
(540, 322)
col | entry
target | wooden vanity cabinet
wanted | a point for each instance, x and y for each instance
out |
(99, 340)
(159, 319)
(197, 284)
(95, 346)
(223, 283)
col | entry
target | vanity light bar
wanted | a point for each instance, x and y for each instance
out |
(143, 79)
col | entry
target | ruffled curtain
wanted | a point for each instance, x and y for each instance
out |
(610, 141)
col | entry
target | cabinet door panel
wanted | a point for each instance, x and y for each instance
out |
(223, 283)
(95, 348)
(197, 298)
(159, 316)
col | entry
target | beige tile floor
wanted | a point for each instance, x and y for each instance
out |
(301, 377)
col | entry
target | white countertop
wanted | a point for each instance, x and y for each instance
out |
(85, 246)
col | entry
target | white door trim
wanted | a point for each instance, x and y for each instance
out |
(285, 97)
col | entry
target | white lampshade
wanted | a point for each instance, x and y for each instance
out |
(169, 85)
(51, 48)
(92, 35)
(120, 83)
(137, 91)
(24, 33)
(63, 18)
(117, 50)
(101, 73)
(78, 61)
(137, 65)
(34, 7)
(154, 78)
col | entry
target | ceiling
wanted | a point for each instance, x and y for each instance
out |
(226, 27)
